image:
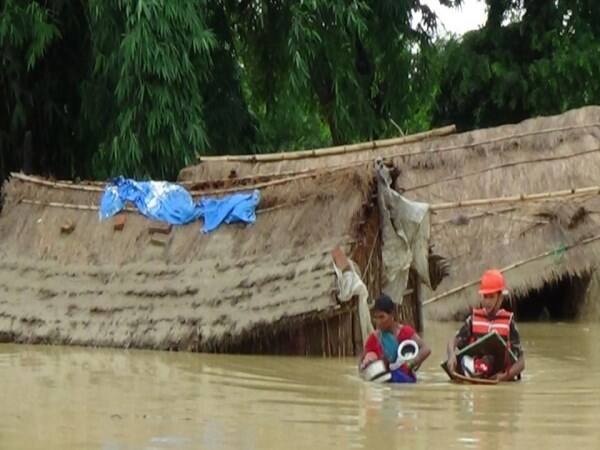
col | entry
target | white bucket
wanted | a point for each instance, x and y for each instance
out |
(376, 372)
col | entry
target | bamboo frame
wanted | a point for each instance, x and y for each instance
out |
(477, 215)
(510, 267)
(68, 205)
(55, 184)
(296, 176)
(134, 210)
(337, 150)
(304, 176)
(249, 178)
(591, 190)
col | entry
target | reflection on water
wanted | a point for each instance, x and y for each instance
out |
(79, 398)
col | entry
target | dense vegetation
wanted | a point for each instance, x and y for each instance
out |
(139, 87)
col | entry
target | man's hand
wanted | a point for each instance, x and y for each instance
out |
(452, 363)
(501, 376)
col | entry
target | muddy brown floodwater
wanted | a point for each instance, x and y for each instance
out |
(82, 398)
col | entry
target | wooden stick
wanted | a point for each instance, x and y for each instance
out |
(428, 152)
(278, 182)
(464, 146)
(510, 267)
(296, 176)
(65, 184)
(134, 210)
(329, 151)
(59, 205)
(476, 216)
(68, 205)
(592, 190)
(368, 266)
(54, 184)
(499, 166)
(485, 214)
(249, 178)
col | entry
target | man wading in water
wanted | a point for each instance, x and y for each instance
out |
(483, 320)
(383, 343)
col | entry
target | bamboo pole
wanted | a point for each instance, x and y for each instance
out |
(592, 190)
(294, 177)
(251, 158)
(452, 148)
(476, 216)
(130, 209)
(249, 178)
(433, 151)
(375, 242)
(304, 176)
(68, 205)
(55, 184)
(59, 205)
(510, 267)
(500, 166)
(337, 150)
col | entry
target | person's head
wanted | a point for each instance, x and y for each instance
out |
(492, 289)
(383, 313)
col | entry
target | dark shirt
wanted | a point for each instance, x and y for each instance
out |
(463, 336)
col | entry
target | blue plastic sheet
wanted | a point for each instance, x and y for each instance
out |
(171, 203)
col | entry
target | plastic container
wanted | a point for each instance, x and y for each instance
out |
(377, 372)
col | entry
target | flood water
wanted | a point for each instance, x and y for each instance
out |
(80, 398)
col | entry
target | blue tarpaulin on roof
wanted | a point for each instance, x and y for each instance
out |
(171, 203)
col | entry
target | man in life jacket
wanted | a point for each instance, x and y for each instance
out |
(383, 343)
(482, 320)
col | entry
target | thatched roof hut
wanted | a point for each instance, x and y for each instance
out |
(69, 278)
(538, 241)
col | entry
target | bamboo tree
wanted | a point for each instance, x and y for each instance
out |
(151, 58)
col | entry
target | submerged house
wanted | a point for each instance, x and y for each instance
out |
(69, 278)
(522, 198)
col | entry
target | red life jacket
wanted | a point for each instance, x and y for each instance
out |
(481, 325)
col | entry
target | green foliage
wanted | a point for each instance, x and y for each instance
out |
(151, 59)
(354, 63)
(26, 33)
(544, 63)
(138, 87)
(150, 83)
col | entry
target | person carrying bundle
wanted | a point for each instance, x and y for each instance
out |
(490, 317)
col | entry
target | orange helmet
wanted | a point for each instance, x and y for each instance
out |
(492, 282)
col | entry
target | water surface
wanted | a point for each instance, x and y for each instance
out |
(80, 398)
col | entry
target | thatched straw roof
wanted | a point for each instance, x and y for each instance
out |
(538, 241)
(98, 286)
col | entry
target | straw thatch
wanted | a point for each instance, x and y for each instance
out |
(537, 242)
(265, 288)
